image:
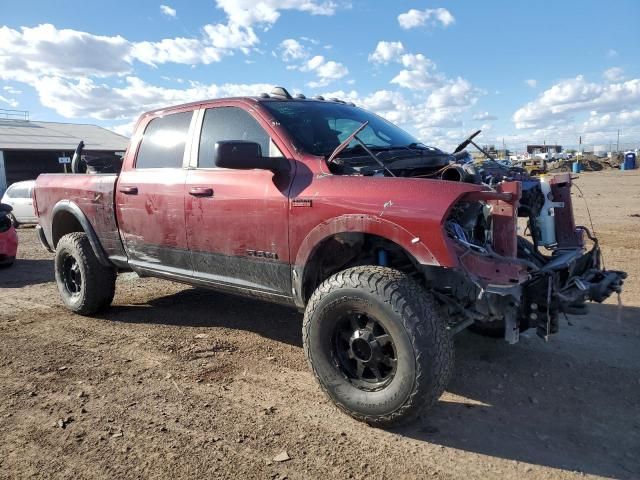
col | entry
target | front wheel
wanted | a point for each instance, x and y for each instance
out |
(85, 285)
(378, 345)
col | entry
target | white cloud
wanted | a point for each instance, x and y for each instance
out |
(419, 73)
(11, 90)
(430, 17)
(31, 52)
(571, 96)
(175, 50)
(326, 70)
(231, 36)
(597, 122)
(532, 82)
(386, 52)
(12, 102)
(168, 11)
(455, 93)
(612, 53)
(483, 116)
(291, 49)
(332, 70)
(614, 74)
(313, 63)
(248, 12)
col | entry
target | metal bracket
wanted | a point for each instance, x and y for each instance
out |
(511, 326)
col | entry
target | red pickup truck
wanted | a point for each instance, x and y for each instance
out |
(389, 246)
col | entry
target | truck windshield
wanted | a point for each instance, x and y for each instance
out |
(319, 127)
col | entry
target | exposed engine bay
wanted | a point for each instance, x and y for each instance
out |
(549, 270)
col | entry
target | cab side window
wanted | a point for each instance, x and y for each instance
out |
(229, 123)
(164, 141)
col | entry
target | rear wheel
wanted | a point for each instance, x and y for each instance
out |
(85, 285)
(378, 344)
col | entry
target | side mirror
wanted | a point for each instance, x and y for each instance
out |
(243, 155)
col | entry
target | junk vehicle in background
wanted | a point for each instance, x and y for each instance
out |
(389, 246)
(19, 197)
(8, 237)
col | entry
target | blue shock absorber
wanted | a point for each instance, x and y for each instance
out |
(382, 258)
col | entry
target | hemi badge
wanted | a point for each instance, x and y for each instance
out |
(301, 202)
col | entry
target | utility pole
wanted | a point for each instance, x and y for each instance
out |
(579, 147)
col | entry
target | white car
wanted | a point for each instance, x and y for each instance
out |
(18, 195)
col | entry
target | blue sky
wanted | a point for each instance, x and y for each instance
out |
(522, 71)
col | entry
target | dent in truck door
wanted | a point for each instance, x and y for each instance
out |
(150, 198)
(237, 219)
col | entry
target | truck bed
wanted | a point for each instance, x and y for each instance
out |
(94, 194)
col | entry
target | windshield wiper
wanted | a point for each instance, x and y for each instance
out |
(349, 139)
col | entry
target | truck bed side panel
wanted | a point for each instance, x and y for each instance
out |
(94, 194)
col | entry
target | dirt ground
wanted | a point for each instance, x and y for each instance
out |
(176, 382)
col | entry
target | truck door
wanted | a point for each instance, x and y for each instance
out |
(237, 219)
(150, 198)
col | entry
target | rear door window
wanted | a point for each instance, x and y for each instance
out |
(164, 141)
(230, 123)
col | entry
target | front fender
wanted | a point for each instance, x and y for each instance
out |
(364, 224)
(359, 223)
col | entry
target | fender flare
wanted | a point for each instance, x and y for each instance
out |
(358, 223)
(72, 208)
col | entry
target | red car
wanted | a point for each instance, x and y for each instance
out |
(8, 237)
(389, 246)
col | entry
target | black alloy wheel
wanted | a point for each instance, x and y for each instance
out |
(71, 275)
(364, 351)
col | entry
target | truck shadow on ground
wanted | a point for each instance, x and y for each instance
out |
(26, 272)
(572, 403)
(196, 307)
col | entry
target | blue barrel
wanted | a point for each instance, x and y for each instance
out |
(629, 161)
(576, 167)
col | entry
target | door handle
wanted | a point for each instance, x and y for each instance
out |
(129, 190)
(201, 192)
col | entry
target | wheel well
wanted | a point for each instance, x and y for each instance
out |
(64, 222)
(350, 249)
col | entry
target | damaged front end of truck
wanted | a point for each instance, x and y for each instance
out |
(506, 283)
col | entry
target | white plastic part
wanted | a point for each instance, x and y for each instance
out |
(545, 222)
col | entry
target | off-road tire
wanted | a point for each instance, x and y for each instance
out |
(413, 319)
(98, 282)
